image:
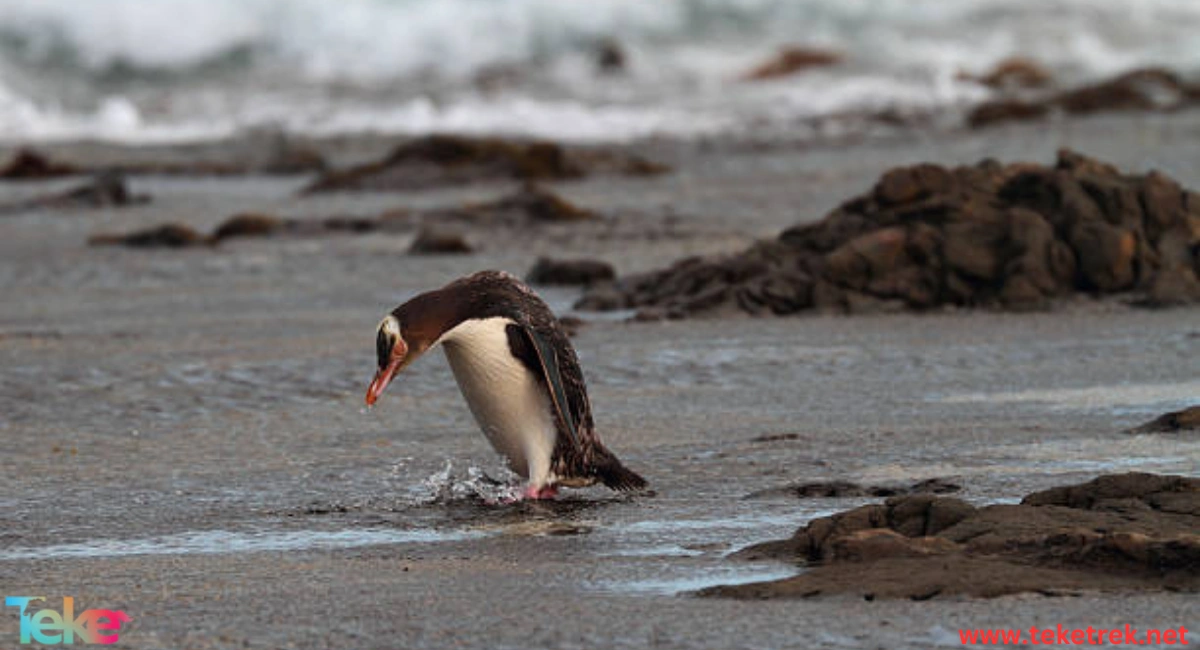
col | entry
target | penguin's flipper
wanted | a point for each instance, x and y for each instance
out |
(547, 363)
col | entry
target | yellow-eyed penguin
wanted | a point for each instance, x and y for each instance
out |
(518, 372)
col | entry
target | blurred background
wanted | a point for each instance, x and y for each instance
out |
(601, 70)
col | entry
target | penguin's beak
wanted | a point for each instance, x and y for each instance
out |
(383, 377)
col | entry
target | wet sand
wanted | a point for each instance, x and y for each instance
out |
(185, 438)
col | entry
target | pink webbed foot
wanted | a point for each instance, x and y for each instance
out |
(534, 493)
(530, 493)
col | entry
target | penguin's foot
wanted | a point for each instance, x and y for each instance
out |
(529, 493)
(537, 493)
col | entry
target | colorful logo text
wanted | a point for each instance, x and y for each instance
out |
(48, 627)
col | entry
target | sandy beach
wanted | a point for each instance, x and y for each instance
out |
(185, 438)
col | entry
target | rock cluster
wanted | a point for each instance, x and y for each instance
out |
(1146, 89)
(987, 235)
(1187, 419)
(439, 160)
(104, 190)
(262, 153)
(845, 489)
(440, 230)
(167, 235)
(239, 226)
(29, 164)
(1125, 531)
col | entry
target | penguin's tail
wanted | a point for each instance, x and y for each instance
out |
(613, 474)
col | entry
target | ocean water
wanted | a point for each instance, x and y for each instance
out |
(140, 71)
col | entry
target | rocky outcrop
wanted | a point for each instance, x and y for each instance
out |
(847, 489)
(167, 235)
(440, 160)
(1118, 532)
(989, 235)
(30, 164)
(1146, 89)
(256, 153)
(248, 225)
(1187, 419)
(105, 190)
(439, 241)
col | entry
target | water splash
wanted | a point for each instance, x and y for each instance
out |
(447, 487)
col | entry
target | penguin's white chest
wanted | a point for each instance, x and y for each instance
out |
(508, 402)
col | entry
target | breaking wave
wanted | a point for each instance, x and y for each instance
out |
(187, 69)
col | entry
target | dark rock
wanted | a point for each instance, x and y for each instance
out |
(352, 225)
(882, 543)
(602, 298)
(437, 241)
(989, 235)
(1147, 89)
(530, 205)
(569, 272)
(775, 437)
(1013, 73)
(248, 225)
(29, 164)
(1186, 420)
(1139, 90)
(611, 57)
(571, 324)
(1172, 287)
(455, 160)
(908, 184)
(843, 489)
(1133, 485)
(791, 60)
(170, 235)
(105, 190)
(1125, 532)
(1106, 256)
(821, 489)
(535, 204)
(1006, 110)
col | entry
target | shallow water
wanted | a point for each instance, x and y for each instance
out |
(1120, 399)
(226, 541)
(692, 579)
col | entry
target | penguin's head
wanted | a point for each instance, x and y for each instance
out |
(393, 354)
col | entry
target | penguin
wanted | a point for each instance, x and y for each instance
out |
(518, 372)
